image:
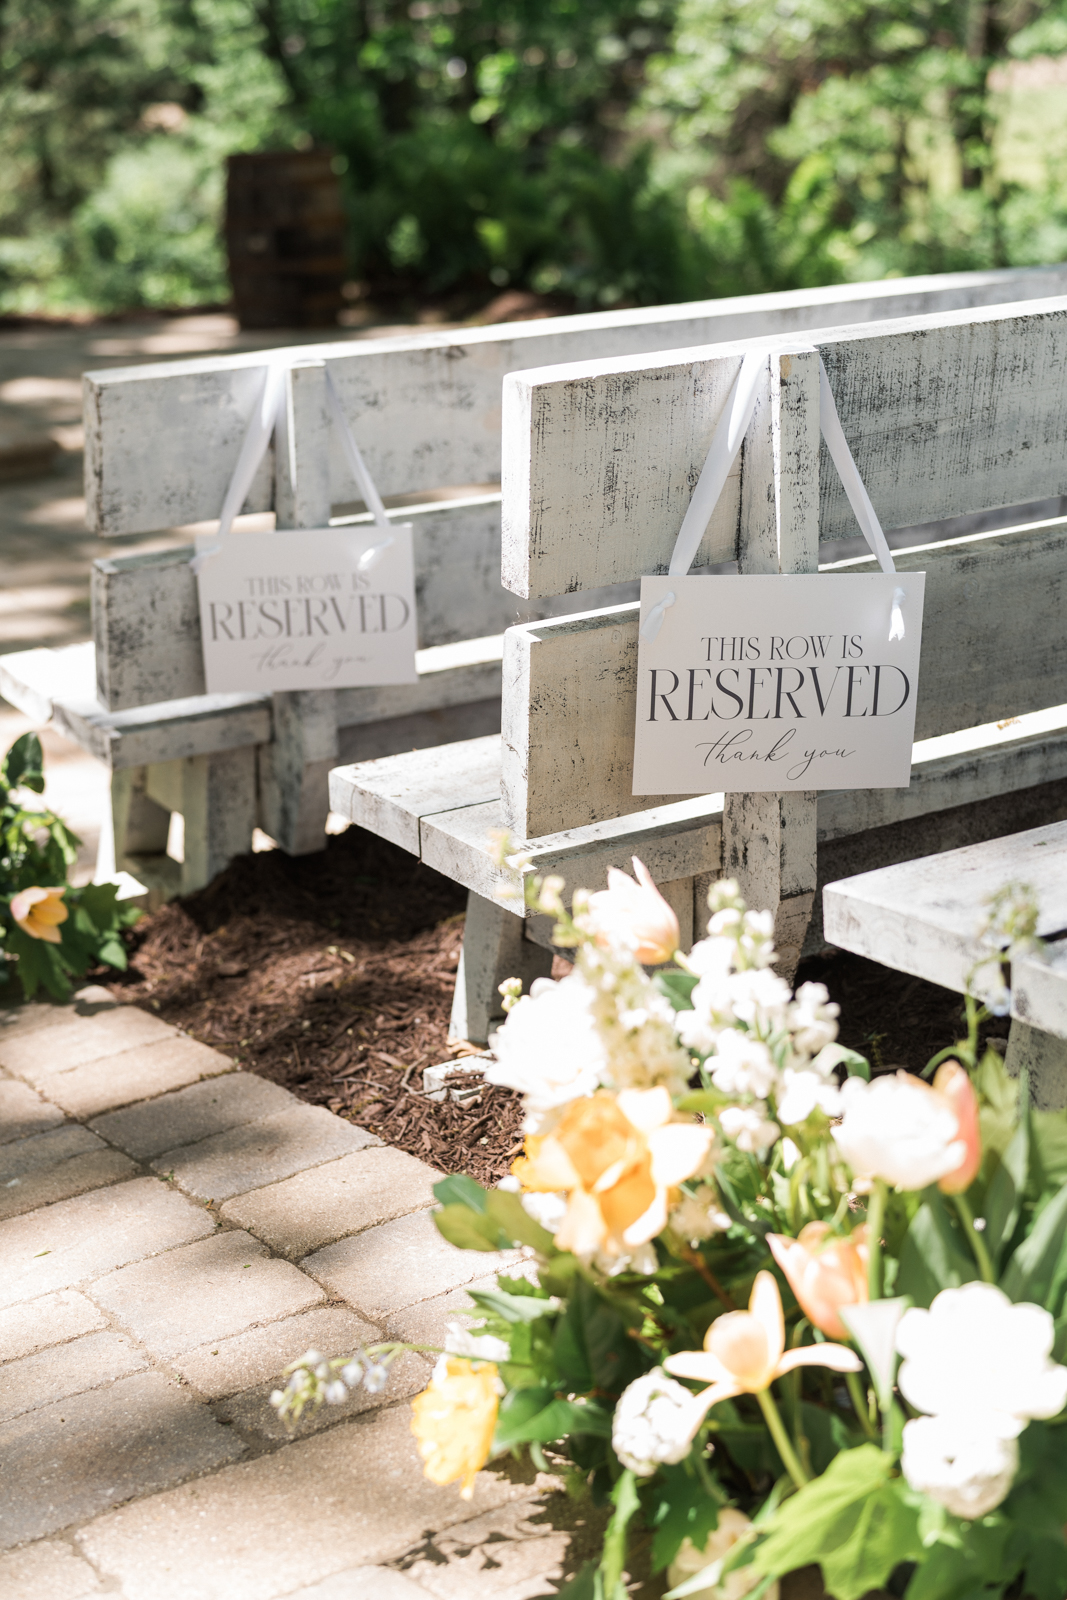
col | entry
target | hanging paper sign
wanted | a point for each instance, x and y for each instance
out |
(776, 683)
(306, 610)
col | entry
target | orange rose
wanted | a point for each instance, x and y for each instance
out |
(38, 913)
(617, 1158)
(824, 1272)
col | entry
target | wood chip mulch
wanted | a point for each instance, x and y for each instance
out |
(331, 974)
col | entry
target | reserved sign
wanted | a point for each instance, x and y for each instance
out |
(777, 683)
(297, 610)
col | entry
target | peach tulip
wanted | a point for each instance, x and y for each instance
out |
(619, 1160)
(636, 913)
(39, 911)
(954, 1086)
(825, 1272)
(744, 1351)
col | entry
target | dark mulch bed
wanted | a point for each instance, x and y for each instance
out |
(332, 974)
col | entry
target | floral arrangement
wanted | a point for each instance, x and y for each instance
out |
(774, 1313)
(49, 931)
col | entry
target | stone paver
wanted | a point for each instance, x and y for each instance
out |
(397, 1264)
(354, 1496)
(217, 1287)
(363, 1583)
(501, 1555)
(65, 1244)
(17, 1021)
(189, 1115)
(65, 1369)
(134, 1074)
(66, 1161)
(77, 1457)
(427, 1322)
(323, 1204)
(22, 1112)
(52, 1319)
(258, 1356)
(259, 1153)
(43, 1051)
(47, 1571)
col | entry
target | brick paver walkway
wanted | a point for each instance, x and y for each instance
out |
(172, 1232)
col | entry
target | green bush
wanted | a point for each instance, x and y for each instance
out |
(65, 934)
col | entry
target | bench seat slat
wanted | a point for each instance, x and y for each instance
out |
(1039, 990)
(923, 916)
(390, 796)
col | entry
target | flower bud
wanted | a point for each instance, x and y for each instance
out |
(352, 1373)
(376, 1379)
(824, 1273)
(336, 1393)
(636, 914)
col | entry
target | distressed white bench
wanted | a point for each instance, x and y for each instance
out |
(161, 441)
(923, 917)
(947, 415)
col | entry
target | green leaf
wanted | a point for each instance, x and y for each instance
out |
(468, 1229)
(23, 765)
(931, 1258)
(515, 1222)
(40, 965)
(459, 1190)
(830, 1520)
(678, 1506)
(837, 1055)
(511, 1307)
(678, 988)
(1033, 1267)
(613, 1561)
(1004, 1195)
(534, 1416)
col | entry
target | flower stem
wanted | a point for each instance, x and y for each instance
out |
(782, 1441)
(978, 1244)
(860, 1405)
(875, 1223)
(698, 1264)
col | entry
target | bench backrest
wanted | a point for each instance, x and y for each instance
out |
(946, 414)
(161, 441)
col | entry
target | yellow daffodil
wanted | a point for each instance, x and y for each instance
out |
(39, 911)
(619, 1160)
(744, 1351)
(453, 1421)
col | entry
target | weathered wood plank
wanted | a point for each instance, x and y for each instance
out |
(33, 680)
(204, 725)
(388, 797)
(426, 406)
(1039, 991)
(923, 916)
(675, 841)
(946, 414)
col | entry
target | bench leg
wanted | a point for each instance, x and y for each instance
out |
(494, 948)
(1044, 1058)
(294, 770)
(768, 845)
(136, 825)
(219, 808)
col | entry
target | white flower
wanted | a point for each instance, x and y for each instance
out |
(655, 1421)
(335, 1393)
(812, 1019)
(635, 916)
(460, 1341)
(759, 996)
(376, 1378)
(977, 1357)
(549, 1048)
(964, 1469)
(898, 1129)
(802, 1091)
(749, 1127)
(352, 1373)
(742, 1065)
(698, 1216)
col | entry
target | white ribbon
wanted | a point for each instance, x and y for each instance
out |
(722, 452)
(266, 416)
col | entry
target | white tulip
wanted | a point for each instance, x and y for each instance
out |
(549, 1049)
(655, 1421)
(898, 1129)
(963, 1468)
(976, 1356)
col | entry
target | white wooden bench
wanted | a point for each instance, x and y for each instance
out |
(946, 414)
(923, 917)
(161, 441)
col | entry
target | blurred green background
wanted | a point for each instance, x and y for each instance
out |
(601, 152)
